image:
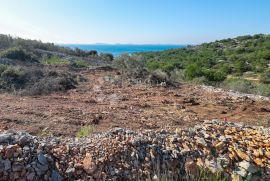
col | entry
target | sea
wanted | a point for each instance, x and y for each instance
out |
(118, 49)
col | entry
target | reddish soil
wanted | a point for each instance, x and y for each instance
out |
(108, 105)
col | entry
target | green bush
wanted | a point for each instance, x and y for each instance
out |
(262, 89)
(34, 80)
(106, 57)
(166, 66)
(79, 64)
(12, 78)
(240, 85)
(85, 131)
(177, 75)
(241, 66)
(3, 68)
(18, 54)
(246, 86)
(265, 77)
(214, 75)
(131, 66)
(54, 60)
(192, 71)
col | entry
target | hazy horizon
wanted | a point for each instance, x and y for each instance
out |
(152, 22)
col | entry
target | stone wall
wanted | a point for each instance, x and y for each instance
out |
(236, 151)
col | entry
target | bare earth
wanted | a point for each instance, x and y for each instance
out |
(100, 102)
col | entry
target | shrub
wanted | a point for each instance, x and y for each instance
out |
(106, 56)
(166, 66)
(12, 78)
(48, 84)
(201, 80)
(3, 68)
(238, 84)
(265, 77)
(35, 81)
(131, 66)
(79, 64)
(241, 66)
(158, 76)
(54, 60)
(45, 133)
(177, 75)
(18, 54)
(214, 75)
(262, 89)
(85, 131)
(192, 71)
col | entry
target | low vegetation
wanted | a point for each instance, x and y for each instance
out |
(85, 131)
(79, 64)
(54, 60)
(7, 42)
(29, 67)
(241, 63)
(214, 64)
(34, 80)
(18, 54)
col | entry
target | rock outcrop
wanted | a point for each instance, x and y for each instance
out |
(236, 151)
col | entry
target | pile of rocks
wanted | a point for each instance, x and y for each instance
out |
(238, 151)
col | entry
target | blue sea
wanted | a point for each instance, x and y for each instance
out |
(119, 49)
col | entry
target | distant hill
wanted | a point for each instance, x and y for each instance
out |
(34, 51)
(222, 63)
(30, 67)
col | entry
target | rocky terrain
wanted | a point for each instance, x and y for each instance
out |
(105, 103)
(236, 151)
(99, 118)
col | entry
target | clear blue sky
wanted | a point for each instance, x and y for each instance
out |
(133, 21)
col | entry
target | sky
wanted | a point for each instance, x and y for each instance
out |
(133, 21)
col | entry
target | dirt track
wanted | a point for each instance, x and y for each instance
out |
(107, 105)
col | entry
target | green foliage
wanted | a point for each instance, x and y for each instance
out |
(79, 64)
(214, 75)
(7, 42)
(192, 70)
(12, 78)
(247, 86)
(45, 133)
(106, 57)
(34, 80)
(3, 68)
(17, 54)
(166, 66)
(240, 66)
(85, 131)
(212, 63)
(54, 60)
(81, 53)
(34, 51)
(262, 89)
(131, 66)
(265, 77)
(239, 84)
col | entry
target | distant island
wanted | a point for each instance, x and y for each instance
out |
(118, 49)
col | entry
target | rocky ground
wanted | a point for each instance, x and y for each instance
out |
(163, 134)
(102, 101)
(238, 152)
